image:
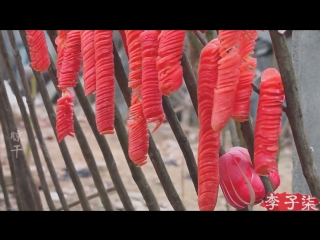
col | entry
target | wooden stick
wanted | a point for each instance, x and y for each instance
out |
(136, 172)
(247, 133)
(62, 145)
(294, 112)
(154, 153)
(89, 197)
(4, 188)
(27, 191)
(34, 119)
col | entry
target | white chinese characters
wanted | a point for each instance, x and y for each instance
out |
(292, 201)
(16, 137)
(308, 203)
(17, 149)
(272, 201)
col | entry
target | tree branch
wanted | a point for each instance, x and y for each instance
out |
(247, 133)
(35, 122)
(153, 151)
(31, 199)
(201, 38)
(294, 112)
(62, 145)
(233, 133)
(136, 172)
(89, 197)
(105, 149)
(4, 188)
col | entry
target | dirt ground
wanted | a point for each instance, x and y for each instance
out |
(168, 148)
